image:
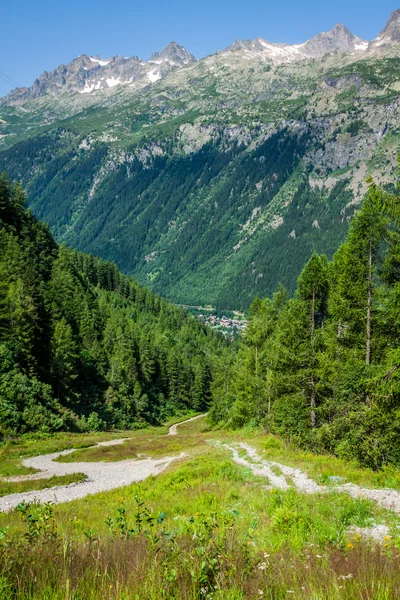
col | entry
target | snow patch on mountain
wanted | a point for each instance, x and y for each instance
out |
(154, 75)
(113, 81)
(102, 63)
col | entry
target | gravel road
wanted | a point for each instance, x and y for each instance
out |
(386, 497)
(101, 477)
(173, 429)
(104, 476)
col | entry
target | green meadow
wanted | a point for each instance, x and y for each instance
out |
(206, 527)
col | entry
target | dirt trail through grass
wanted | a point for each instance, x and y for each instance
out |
(386, 498)
(173, 429)
(101, 476)
(105, 476)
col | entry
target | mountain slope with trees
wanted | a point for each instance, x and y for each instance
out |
(214, 183)
(83, 346)
(322, 367)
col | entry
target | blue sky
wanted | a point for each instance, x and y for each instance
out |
(39, 35)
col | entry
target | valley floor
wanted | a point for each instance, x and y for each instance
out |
(229, 516)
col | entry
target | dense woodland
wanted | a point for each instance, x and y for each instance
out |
(83, 347)
(187, 212)
(322, 367)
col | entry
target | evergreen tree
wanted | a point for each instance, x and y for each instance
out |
(313, 290)
(354, 276)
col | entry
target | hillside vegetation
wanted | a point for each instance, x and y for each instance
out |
(322, 367)
(83, 347)
(215, 183)
(205, 528)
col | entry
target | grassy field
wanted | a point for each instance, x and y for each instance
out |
(194, 436)
(17, 487)
(14, 450)
(205, 528)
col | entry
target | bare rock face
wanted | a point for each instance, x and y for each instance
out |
(391, 32)
(338, 39)
(86, 74)
(174, 54)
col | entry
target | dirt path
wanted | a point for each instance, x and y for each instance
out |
(173, 429)
(101, 476)
(281, 476)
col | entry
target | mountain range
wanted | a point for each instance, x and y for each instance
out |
(209, 180)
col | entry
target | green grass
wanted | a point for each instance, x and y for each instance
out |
(13, 451)
(17, 487)
(321, 467)
(154, 446)
(151, 442)
(205, 529)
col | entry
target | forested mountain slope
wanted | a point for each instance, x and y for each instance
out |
(83, 346)
(322, 367)
(216, 181)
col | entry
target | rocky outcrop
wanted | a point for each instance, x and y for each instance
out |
(86, 74)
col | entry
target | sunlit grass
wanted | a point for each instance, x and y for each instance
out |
(17, 487)
(14, 450)
(212, 530)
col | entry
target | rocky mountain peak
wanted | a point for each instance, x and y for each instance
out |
(85, 74)
(239, 45)
(175, 54)
(338, 39)
(391, 31)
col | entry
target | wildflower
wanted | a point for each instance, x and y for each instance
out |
(357, 536)
(350, 546)
(262, 566)
(318, 556)
(266, 555)
(289, 591)
(203, 591)
(261, 592)
(388, 537)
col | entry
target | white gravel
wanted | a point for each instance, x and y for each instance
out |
(378, 533)
(173, 429)
(105, 476)
(101, 476)
(264, 468)
(386, 498)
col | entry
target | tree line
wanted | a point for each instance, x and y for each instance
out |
(84, 347)
(322, 367)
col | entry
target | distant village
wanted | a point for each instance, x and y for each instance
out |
(225, 325)
(229, 326)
